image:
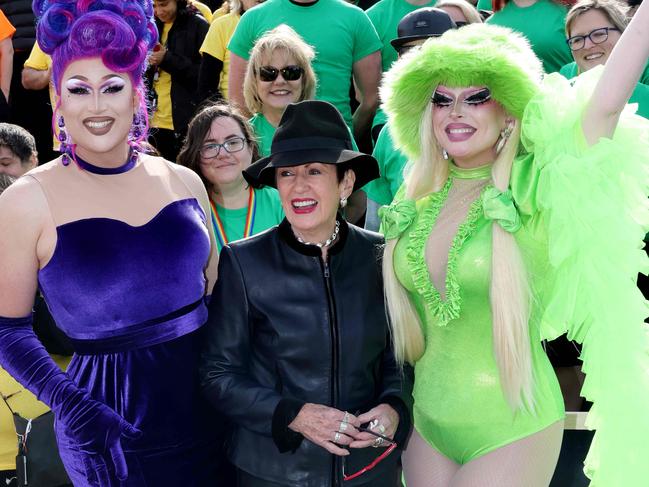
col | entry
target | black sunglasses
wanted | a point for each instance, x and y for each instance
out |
(289, 73)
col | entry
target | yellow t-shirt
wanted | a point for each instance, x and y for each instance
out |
(216, 44)
(42, 62)
(22, 402)
(203, 9)
(221, 11)
(162, 117)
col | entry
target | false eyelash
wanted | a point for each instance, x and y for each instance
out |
(441, 100)
(78, 90)
(482, 96)
(115, 88)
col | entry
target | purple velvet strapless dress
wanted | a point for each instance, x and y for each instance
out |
(131, 300)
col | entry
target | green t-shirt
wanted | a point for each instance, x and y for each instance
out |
(543, 24)
(341, 34)
(264, 132)
(268, 214)
(391, 164)
(385, 16)
(640, 94)
(571, 70)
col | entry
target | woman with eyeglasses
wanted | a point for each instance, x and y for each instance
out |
(279, 72)
(593, 28)
(521, 217)
(219, 146)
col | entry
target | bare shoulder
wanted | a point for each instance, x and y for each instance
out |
(25, 195)
(190, 178)
(23, 206)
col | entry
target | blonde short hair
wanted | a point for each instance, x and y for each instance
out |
(615, 11)
(286, 39)
(470, 13)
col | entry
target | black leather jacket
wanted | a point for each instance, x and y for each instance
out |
(286, 328)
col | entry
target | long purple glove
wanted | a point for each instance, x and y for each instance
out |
(93, 428)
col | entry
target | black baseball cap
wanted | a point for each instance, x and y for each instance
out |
(421, 24)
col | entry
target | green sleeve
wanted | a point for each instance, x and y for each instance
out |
(367, 40)
(244, 36)
(591, 201)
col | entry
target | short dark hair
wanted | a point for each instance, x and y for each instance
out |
(5, 181)
(18, 141)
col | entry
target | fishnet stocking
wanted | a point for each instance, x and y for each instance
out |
(528, 462)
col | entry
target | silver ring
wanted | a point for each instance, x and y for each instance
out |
(346, 417)
(377, 442)
(337, 437)
(343, 426)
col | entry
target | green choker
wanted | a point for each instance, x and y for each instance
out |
(481, 172)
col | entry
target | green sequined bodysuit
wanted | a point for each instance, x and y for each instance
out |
(459, 404)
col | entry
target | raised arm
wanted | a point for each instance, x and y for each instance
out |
(621, 74)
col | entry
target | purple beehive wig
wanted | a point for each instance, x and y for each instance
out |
(120, 32)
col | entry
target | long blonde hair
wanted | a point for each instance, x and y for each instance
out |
(510, 293)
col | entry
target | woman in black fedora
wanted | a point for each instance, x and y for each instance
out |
(298, 353)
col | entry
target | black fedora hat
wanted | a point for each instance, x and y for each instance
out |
(421, 24)
(312, 131)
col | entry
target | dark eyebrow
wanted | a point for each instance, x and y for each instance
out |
(226, 138)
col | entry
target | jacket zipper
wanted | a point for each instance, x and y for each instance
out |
(333, 323)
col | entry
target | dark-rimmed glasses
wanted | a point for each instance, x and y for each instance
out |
(212, 149)
(376, 461)
(596, 36)
(289, 73)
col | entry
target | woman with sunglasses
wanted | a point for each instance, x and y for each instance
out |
(279, 72)
(521, 218)
(218, 147)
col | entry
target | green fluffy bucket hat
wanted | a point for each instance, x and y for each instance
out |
(475, 55)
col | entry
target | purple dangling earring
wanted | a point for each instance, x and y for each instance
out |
(64, 146)
(137, 129)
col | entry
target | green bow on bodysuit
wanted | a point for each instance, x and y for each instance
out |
(499, 206)
(397, 217)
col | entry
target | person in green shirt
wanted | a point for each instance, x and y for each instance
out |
(414, 29)
(385, 16)
(219, 146)
(593, 28)
(541, 21)
(279, 72)
(346, 46)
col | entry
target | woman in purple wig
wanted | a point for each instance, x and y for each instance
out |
(118, 243)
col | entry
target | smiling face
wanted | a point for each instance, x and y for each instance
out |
(310, 194)
(591, 54)
(276, 95)
(97, 105)
(225, 169)
(467, 123)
